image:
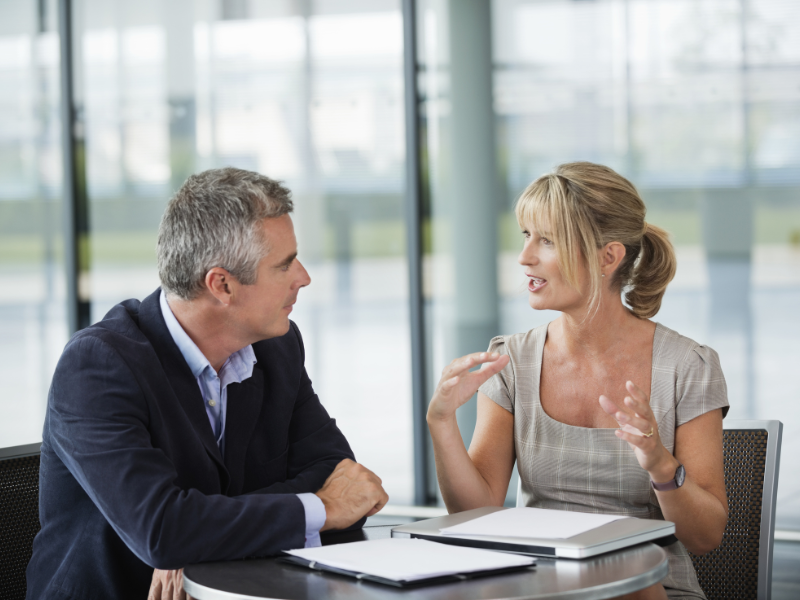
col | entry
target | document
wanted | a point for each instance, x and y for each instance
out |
(409, 559)
(532, 523)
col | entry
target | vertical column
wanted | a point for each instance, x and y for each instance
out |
(424, 493)
(76, 259)
(473, 189)
(179, 24)
(728, 216)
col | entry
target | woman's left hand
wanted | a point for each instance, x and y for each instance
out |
(638, 426)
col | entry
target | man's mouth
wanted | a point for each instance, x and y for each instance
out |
(536, 283)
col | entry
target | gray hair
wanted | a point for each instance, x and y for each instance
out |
(214, 221)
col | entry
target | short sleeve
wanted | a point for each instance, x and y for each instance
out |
(701, 386)
(500, 387)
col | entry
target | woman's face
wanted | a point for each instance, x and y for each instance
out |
(547, 288)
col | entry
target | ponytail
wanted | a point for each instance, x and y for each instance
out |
(653, 271)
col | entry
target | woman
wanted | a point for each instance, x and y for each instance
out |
(602, 402)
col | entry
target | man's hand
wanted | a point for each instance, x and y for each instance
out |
(351, 492)
(167, 585)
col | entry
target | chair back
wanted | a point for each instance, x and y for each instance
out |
(741, 568)
(19, 516)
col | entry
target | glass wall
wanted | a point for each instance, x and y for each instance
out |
(696, 102)
(33, 326)
(309, 92)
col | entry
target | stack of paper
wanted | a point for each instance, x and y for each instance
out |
(409, 559)
(531, 523)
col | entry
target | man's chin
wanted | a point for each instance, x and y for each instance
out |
(279, 329)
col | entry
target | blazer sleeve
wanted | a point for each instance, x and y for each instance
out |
(98, 426)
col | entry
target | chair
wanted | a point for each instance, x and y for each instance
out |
(741, 568)
(19, 516)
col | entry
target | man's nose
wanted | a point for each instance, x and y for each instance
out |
(303, 278)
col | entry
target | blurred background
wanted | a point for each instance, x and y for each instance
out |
(404, 179)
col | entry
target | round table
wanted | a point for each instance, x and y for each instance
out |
(606, 576)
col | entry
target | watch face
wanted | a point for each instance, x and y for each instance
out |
(680, 476)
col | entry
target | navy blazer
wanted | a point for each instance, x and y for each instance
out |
(131, 478)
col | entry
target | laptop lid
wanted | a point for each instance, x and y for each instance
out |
(606, 538)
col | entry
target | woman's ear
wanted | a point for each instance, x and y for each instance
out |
(611, 256)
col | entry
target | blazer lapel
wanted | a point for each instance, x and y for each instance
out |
(180, 377)
(245, 401)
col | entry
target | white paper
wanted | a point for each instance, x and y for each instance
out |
(532, 523)
(402, 559)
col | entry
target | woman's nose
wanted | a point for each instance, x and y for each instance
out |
(527, 256)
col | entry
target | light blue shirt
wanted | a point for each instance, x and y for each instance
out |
(214, 390)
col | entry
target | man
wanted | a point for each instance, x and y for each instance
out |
(184, 428)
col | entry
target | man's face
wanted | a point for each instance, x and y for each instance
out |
(262, 309)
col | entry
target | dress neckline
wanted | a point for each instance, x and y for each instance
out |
(542, 337)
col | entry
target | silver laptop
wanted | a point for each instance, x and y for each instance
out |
(606, 538)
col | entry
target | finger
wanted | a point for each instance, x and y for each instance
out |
(608, 405)
(496, 364)
(634, 440)
(489, 369)
(638, 407)
(633, 430)
(637, 392)
(465, 363)
(379, 505)
(166, 594)
(637, 421)
(181, 595)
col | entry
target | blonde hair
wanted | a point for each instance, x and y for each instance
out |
(585, 206)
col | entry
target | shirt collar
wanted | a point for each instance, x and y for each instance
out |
(241, 361)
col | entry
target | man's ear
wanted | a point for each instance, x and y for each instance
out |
(220, 284)
(611, 256)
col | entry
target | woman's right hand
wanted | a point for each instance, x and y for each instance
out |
(458, 384)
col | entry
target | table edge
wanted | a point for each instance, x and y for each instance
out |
(602, 592)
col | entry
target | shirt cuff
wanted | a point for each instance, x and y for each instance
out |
(315, 518)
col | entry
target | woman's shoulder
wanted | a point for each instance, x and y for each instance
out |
(673, 348)
(518, 345)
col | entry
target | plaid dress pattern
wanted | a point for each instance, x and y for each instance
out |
(566, 467)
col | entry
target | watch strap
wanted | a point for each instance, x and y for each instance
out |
(671, 484)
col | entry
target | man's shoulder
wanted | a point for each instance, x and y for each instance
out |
(120, 323)
(119, 332)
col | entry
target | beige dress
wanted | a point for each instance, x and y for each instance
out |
(583, 469)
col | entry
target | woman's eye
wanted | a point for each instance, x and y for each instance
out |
(546, 241)
(526, 234)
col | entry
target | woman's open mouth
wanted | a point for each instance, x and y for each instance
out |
(536, 283)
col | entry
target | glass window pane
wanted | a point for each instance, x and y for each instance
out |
(310, 93)
(33, 327)
(697, 103)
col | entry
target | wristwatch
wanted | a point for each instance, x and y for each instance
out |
(680, 477)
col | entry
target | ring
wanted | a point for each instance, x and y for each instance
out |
(649, 435)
